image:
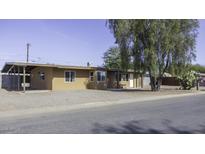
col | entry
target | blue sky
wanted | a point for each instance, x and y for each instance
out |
(70, 42)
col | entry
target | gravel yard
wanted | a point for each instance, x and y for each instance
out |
(10, 101)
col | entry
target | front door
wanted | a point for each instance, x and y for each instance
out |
(131, 80)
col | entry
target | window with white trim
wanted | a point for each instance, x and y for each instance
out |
(101, 75)
(69, 76)
(91, 76)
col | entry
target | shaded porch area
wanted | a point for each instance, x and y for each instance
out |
(16, 76)
(124, 80)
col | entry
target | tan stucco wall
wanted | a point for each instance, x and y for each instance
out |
(55, 80)
(80, 82)
(97, 84)
(37, 83)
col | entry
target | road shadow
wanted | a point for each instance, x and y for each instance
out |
(137, 127)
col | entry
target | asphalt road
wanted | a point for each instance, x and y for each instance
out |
(182, 115)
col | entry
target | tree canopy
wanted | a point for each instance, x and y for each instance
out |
(157, 45)
(112, 58)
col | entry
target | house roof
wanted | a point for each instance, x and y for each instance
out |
(29, 66)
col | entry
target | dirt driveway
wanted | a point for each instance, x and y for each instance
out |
(10, 101)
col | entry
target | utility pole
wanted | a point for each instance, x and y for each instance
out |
(27, 57)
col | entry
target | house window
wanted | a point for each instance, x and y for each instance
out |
(69, 76)
(41, 75)
(101, 75)
(91, 76)
(125, 77)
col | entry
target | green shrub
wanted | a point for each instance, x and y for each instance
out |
(187, 80)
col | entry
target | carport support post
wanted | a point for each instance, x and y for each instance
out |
(11, 86)
(18, 79)
(14, 76)
(24, 79)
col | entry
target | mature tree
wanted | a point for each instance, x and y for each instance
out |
(112, 58)
(157, 45)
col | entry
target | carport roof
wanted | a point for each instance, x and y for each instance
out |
(30, 66)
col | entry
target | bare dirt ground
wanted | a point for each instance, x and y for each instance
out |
(11, 101)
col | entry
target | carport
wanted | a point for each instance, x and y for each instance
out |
(16, 76)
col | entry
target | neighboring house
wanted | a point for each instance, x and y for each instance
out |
(173, 81)
(201, 79)
(18, 76)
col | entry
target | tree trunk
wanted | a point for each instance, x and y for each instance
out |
(155, 83)
(159, 82)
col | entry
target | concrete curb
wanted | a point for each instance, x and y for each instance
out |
(45, 110)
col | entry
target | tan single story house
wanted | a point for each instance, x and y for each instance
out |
(33, 76)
